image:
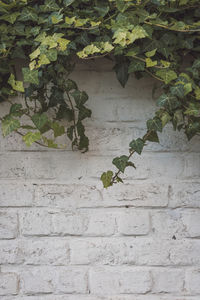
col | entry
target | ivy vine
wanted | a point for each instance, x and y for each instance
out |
(41, 40)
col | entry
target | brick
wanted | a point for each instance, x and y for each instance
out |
(100, 223)
(145, 251)
(8, 225)
(191, 168)
(102, 251)
(185, 195)
(152, 251)
(151, 297)
(61, 165)
(119, 280)
(93, 297)
(38, 280)
(35, 222)
(16, 195)
(67, 196)
(45, 280)
(10, 252)
(49, 251)
(72, 280)
(8, 284)
(90, 223)
(68, 224)
(191, 221)
(167, 224)
(159, 166)
(145, 194)
(192, 282)
(134, 222)
(168, 281)
(185, 252)
(60, 297)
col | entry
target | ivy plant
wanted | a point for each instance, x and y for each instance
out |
(40, 42)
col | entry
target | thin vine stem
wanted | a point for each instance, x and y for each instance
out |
(168, 28)
(74, 115)
(130, 155)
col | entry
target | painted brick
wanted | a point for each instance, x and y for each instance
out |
(67, 196)
(192, 282)
(168, 281)
(72, 280)
(64, 237)
(119, 281)
(144, 194)
(102, 251)
(35, 222)
(185, 252)
(37, 281)
(167, 224)
(134, 222)
(10, 252)
(8, 284)
(45, 251)
(185, 195)
(191, 220)
(16, 194)
(92, 223)
(45, 280)
(8, 225)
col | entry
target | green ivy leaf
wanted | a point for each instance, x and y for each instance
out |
(16, 85)
(68, 2)
(137, 145)
(28, 14)
(168, 101)
(150, 63)
(121, 70)
(166, 75)
(192, 129)
(84, 113)
(30, 76)
(121, 162)
(165, 118)
(154, 124)
(15, 108)
(57, 129)
(151, 53)
(11, 18)
(9, 125)
(178, 90)
(193, 109)
(51, 54)
(79, 97)
(39, 120)
(152, 136)
(31, 137)
(106, 179)
(135, 66)
(49, 5)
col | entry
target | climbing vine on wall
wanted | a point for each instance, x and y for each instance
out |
(39, 45)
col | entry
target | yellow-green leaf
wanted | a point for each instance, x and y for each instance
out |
(31, 137)
(16, 85)
(150, 63)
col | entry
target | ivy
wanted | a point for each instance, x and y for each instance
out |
(149, 38)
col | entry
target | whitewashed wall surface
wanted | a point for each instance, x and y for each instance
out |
(63, 237)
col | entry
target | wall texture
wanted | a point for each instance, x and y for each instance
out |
(62, 237)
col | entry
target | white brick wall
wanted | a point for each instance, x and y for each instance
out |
(62, 237)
